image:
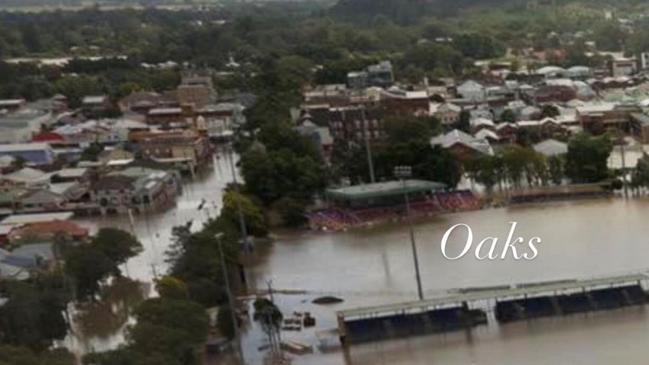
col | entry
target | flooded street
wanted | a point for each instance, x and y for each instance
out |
(154, 232)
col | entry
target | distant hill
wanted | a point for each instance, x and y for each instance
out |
(65, 3)
(408, 10)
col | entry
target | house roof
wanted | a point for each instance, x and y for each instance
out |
(470, 84)
(28, 256)
(94, 99)
(505, 125)
(48, 137)
(165, 111)
(18, 219)
(383, 189)
(486, 134)
(62, 188)
(9, 271)
(27, 175)
(71, 172)
(550, 70)
(22, 147)
(456, 136)
(595, 108)
(6, 160)
(551, 147)
(54, 227)
(477, 122)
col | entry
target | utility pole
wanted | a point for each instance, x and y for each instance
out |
(242, 220)
(403, 172)
(231, 303)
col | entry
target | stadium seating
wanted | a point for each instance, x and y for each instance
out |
(334, 219)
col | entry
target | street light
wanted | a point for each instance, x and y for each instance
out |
(402, 173)
(231, 303)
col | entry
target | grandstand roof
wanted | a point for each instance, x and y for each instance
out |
(500, 292)
(383, 189)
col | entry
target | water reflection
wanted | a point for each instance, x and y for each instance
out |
(101, 325)
(102, 319)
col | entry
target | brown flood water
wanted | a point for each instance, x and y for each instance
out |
(581, 239)
(373, 266)
(154, 232)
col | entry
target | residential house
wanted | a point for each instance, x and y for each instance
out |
(54, 197)
(20, 263)
(600, 117)
(141, 102)
(472, 91)
(481, 123)
(112, 154)
(488, 135)
(462, 145)
(640, 126)
(400, 102)
(446, 113)
(10, 105)
(25, 178)
(507, 131)
(20, 125)
(36, 154)
(137, 189)
(48, 232)
(623, 66)
(171, 116)
(95, 105)
(220, 120)
(67, 175)
(185, 147)
(551, 148)
(196, 89)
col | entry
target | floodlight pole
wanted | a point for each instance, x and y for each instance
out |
(403, 172)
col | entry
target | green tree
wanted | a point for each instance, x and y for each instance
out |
(91, 153)
(556, 169)
(640, 175)
(410, 129)
(117, 245)
(32, 316)
(252, 213)
(549, 111)
(484, 171)
(169, 287)
(88, 267)
(10, 355)
(167, 332)
(587, 157)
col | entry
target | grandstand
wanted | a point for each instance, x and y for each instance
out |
(376, 203)
(412, 324)
(467, 308)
